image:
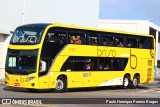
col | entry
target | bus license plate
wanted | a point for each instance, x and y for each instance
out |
(16, 84)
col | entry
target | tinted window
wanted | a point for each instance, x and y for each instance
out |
(92, 38)
(94, 64)
(76, 37)
(119, 41)
(105, 39)
(131, 42)
(57, 36)
(146, 42)
(111, 40)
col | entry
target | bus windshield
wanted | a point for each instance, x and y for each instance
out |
(21, 62)
(27, 35)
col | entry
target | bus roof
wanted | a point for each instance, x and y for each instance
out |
(99, 29)
(37, 25)
(44, 25)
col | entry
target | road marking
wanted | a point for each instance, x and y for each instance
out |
(157, 91)
(147, 91)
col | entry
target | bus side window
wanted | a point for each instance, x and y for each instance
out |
(76, 37)
(56, 36)
(131, 42)
(111, 40)
(105, 39)
(68, 65)
(146, 43)
(150, 43)
(92, 38)
(72, 39)
(119, 41)
(103, 64)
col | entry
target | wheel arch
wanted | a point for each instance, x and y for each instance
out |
(64, 76)
(137, 75)
(128, 75)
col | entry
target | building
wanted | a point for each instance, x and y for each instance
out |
(18, 12)
(136, 26)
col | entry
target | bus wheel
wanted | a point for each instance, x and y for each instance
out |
(135, 82)
(126, 82)
(61, 84)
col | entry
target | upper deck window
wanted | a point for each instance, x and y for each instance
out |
(26, 35)
(76, 37)
(92, 38)
(56, 36)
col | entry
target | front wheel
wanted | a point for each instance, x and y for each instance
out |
(61, 84)
(126, 82)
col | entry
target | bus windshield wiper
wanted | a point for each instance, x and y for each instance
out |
(10, 71)
(25, 72)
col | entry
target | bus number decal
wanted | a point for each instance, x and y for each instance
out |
(72, 50)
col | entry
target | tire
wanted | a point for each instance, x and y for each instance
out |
(126, 82)
(61, 84)
(135, 82)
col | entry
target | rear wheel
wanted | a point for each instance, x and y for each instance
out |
(135, 82)
(61, 84)
(126, 82)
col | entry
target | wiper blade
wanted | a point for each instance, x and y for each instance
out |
(26, 72)
(22, 72)
(10, 71)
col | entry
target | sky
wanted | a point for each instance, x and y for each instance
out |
(131, 10)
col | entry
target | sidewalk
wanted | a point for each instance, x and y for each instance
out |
(2, 82)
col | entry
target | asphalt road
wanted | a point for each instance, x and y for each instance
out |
(143, 91)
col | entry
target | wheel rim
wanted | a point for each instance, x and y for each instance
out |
(59, 84)
(126, 82)
(135, 82)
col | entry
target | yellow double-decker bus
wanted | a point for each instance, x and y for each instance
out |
(46, 56)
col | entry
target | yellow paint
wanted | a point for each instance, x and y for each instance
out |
(93, 78)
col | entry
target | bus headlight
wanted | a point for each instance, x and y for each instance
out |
(6, 77)
(30, 78)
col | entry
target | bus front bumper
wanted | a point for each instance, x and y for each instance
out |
(31, 84)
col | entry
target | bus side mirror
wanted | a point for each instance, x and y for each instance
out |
(43, 66)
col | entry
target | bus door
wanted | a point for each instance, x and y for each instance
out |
(44, 73)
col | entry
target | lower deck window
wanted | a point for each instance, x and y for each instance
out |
(94, 64)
